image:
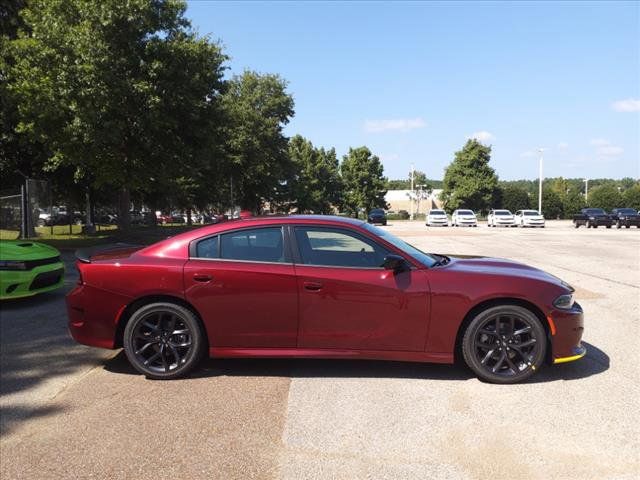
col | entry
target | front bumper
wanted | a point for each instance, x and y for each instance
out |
(437, 222)
(566, 328)
(25, 283)
(534, 223)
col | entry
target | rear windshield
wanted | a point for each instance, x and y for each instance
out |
(501, 212)
(465, 212)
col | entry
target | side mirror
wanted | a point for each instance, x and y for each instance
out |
(395, 263)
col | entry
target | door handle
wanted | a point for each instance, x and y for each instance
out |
(312, 286)
(202, 277)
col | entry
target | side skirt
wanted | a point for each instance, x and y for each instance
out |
(426, 357)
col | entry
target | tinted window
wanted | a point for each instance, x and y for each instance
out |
(626, 211)
(207, 248)
(465, 212)
(338, 248)
(258, 245)
(531, 212)
(595, 211)
(377, 212)
(436, 212)
(501, 212)
(419, 255)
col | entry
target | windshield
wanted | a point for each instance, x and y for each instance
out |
(436, 212)
(465, 212)
(595, 211)
(377, 211)
(419, 255)
(501, 212)
(530, 212)
(626, 211)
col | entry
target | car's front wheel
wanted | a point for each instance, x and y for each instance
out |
(504, 344)
(163, 340)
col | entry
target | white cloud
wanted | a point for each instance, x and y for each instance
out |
(400, 124)
(392, 157)
(627, 105)
(610, 151)
(528, 154)
(605, 148)
(563, 146)
(481, 136)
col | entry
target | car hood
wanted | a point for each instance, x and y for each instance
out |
(501, 267)
(25, 250)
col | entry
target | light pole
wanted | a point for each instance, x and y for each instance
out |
(540, 183)
(412, 192)
(586, 190)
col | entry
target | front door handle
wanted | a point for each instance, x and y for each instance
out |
(312, 286)
(202, 277)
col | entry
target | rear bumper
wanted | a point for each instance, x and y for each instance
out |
(566, 327)
(93, 316)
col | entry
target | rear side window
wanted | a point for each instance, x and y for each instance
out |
(338, 248)
(258, 245)
(207, 248)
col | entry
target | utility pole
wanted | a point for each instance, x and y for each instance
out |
(586, 190)
(412, 192)
(540, 183)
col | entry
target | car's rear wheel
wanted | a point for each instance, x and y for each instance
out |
(504, 344)
(163, 340)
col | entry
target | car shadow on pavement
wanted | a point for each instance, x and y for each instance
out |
(595, 362)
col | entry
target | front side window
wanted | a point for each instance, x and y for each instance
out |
(338, 248)
(257, 245)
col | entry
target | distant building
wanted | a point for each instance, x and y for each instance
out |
(422, 203)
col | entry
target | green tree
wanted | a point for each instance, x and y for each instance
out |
(469, 181)
(364, 181)
(572, 203)
(120, 92)
(257, 108)
(515, 198)
(316, 185)
(605, 196)
(631, 197)
(552, 206)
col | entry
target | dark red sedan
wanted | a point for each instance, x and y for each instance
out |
(324, 287)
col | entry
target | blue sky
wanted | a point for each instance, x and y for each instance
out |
(412, 81)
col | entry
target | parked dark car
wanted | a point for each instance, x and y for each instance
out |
(625, 217)
(377, 215)
(75, 218)
(592, 217)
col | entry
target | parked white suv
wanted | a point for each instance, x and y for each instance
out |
(464, 218)
(529, 218)
(501, 218)
(437, 218)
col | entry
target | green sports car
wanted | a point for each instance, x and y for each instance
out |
(28, 268)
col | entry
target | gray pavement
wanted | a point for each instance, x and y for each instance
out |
(74, 412)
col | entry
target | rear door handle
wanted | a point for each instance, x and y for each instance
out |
(202, 277)
(312, 286)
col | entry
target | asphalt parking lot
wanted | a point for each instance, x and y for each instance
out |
(75, 412)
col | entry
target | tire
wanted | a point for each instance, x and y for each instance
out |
(575, 225)
(519, 355)
(154, 322)
(619, 224)
(595, 226)
(608, 226)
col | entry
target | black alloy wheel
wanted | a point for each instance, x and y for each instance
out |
(163, 340)
(504, 344)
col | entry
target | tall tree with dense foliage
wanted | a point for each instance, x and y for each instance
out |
(572, 203)
(316, 185)
(606, 196)
(631, 197)
(364, 181)
(121, 92)
(552, 205)
(515, 198)
(469, 181)
(257, 108)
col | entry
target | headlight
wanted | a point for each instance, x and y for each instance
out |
(12, 265)
(564, 302)
(592, 218)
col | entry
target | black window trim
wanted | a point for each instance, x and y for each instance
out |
(286, 245)
(298, 258)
